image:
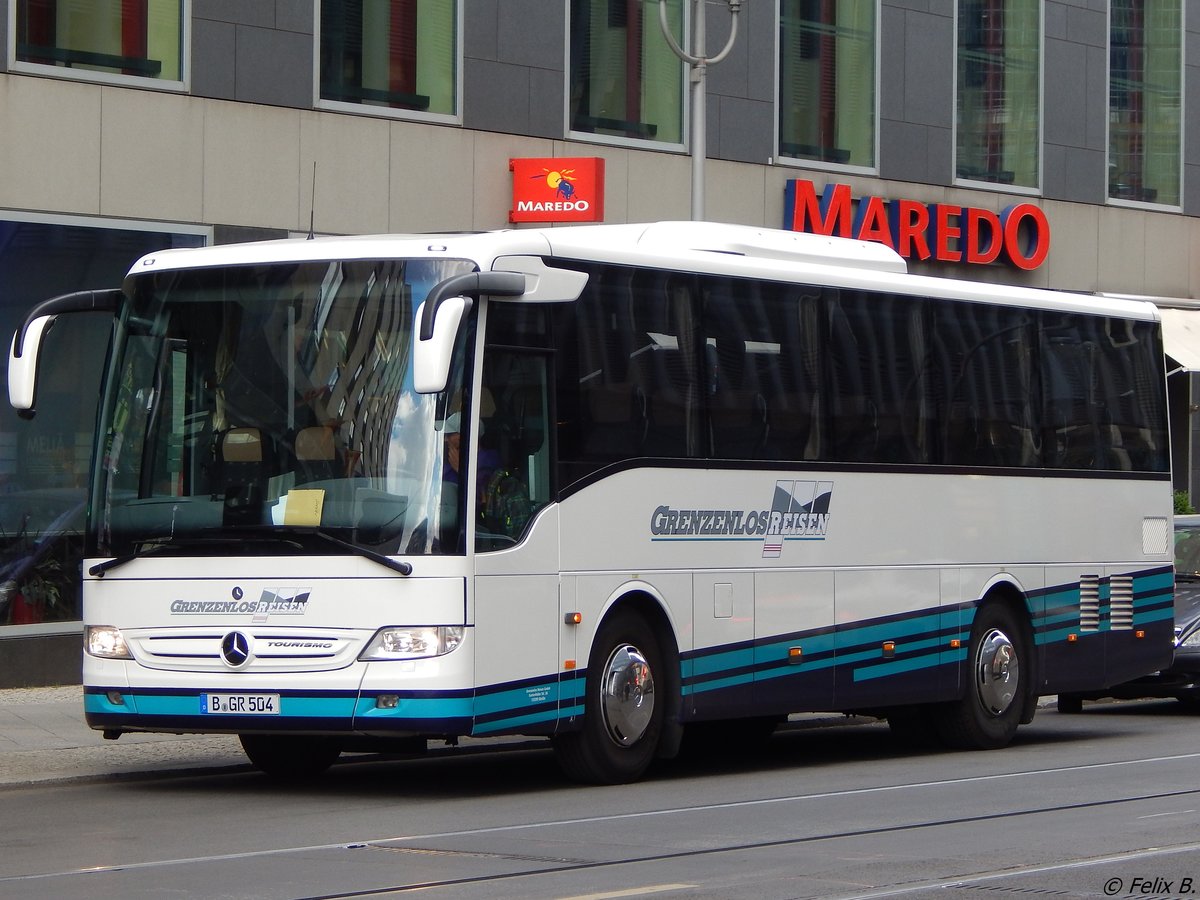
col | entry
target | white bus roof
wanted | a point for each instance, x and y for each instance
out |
(704, 247)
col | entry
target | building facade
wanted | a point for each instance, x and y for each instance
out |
(1053, 144)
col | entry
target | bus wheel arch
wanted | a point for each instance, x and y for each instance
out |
(631, 691)
(999, 693)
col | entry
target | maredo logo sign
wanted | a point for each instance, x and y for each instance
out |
(557, 190)
(1019, 235)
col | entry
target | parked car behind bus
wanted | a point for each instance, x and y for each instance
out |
(1181, 679)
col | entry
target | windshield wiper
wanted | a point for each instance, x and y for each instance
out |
(150, 546)
(396, 565)
(268, 534)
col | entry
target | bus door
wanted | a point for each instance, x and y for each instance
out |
(517, 613)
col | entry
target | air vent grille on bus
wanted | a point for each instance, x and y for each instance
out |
(1089, 602)
(271, 649)
(1120, 616)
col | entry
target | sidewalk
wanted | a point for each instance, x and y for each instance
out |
(43, 737)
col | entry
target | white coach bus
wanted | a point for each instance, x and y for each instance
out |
(604, 484)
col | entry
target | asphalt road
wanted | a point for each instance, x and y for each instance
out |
(1100, 804)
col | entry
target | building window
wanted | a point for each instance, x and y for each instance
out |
(44, 461)
(138, 38)
(391, 54)
(626, 82)
(1144, 87)
(999, 91)
(827, 81)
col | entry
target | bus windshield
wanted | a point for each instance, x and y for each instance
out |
(272, 407)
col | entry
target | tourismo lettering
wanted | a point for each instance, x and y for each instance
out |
(945, 232)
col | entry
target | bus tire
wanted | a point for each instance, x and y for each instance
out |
(987, 715)
(289, 757)
(623, 712)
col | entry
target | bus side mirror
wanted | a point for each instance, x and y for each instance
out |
(431, 356)
(27, 342)
(440, 316)
(23, 365)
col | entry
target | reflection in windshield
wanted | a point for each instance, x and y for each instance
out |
(277, 396)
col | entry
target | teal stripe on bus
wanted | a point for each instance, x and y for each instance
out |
(722, 661)
(909, 664)
(517, 698)
(718, 683)
(1154, 615)
(1162, 581)
(814, 646)
(531, 719)
(417, 708)
(190, 705)
(851, 635)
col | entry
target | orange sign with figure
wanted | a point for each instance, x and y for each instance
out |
(557, 190)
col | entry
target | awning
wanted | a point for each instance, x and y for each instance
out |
(1181, 337)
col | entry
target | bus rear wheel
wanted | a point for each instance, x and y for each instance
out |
(623, 713)
(986, 717)
(290, 757)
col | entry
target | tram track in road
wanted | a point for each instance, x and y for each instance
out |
(469, 846)
(569, 866)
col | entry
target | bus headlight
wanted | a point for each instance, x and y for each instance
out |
(106, 641)
(419, 642)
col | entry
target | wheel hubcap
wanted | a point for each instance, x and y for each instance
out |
(997, 672)
(627, 695)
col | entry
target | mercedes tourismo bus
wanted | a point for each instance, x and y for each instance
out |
(606, 483)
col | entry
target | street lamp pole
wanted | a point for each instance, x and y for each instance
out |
(698, 63)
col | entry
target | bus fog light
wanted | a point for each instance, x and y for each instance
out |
(387, 701)
(396, 642)
(106, 641)
(116, 698)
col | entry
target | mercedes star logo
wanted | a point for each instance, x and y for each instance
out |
(235, 649)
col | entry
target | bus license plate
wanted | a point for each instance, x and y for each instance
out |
(240, 704)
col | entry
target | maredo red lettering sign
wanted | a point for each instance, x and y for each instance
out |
(557, 190)
(1019, 235)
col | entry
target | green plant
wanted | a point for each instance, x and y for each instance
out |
(44, 584)
(1183, 504)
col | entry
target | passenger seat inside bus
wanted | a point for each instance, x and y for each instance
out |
(243, 466)
(316, 455)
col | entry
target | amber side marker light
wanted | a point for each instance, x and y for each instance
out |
(889, 649)
(573, 618)
(955, 643)
(1072, 638)
(1139, 634)
(568, 664)
(795, 655)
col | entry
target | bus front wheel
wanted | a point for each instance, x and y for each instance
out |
(623, 712)
(290, 757)
(987, 715)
